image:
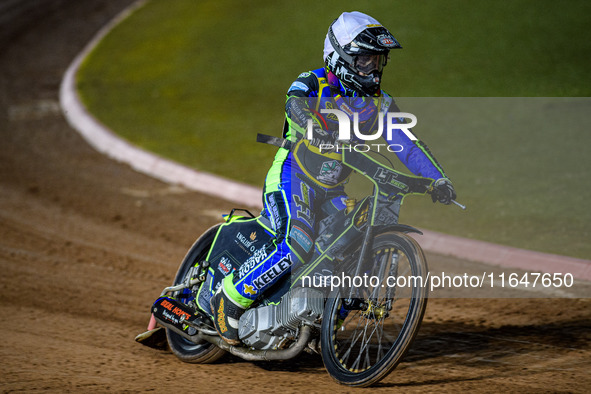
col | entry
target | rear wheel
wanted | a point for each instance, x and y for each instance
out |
(365, 334)
(185, 350)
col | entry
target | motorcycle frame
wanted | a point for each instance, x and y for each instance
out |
(399, 186)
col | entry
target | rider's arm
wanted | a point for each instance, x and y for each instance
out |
(296, 106)
(415, 155)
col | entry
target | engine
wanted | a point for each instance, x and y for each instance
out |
(270, 326)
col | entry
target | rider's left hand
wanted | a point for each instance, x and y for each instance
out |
(443, 191)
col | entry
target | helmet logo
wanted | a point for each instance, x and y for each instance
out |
(386, 40)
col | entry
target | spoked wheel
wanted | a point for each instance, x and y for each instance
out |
(365, 334)
(185, 350)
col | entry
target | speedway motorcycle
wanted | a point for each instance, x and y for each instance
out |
(361, 328)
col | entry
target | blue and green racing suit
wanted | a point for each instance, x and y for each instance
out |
(306, 182)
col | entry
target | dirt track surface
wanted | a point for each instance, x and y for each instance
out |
(86, 244)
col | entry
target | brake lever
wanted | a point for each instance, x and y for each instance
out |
(430, 190)
(459, 205)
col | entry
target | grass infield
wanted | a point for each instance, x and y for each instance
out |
(196, 80)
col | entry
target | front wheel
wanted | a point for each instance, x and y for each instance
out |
(185, 350)
(366, 333)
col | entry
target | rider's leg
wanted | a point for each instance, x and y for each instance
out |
(291, 212)
(239, 289)
(226, 312)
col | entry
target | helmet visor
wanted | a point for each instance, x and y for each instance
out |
(369, 63)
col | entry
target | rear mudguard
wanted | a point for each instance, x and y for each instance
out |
(239, 244)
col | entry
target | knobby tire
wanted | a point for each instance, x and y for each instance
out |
(361, 346)
(185, 350)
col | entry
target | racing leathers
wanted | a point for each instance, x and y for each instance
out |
(306, 179)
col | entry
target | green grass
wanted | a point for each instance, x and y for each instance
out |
(196, 80)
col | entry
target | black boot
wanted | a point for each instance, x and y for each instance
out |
(226, 313)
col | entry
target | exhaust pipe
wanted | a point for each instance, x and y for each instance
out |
(263, 355)
(176, 316)
(243, 352)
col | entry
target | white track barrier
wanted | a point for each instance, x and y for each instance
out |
(108, 143)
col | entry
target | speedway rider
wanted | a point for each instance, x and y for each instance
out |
(305, 179)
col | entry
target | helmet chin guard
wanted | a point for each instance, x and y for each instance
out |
(367, 85)
(353, 36)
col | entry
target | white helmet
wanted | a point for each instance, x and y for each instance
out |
(356, 50)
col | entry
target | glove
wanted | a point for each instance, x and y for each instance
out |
(365, 107)
(443, 191)
(326, 145)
